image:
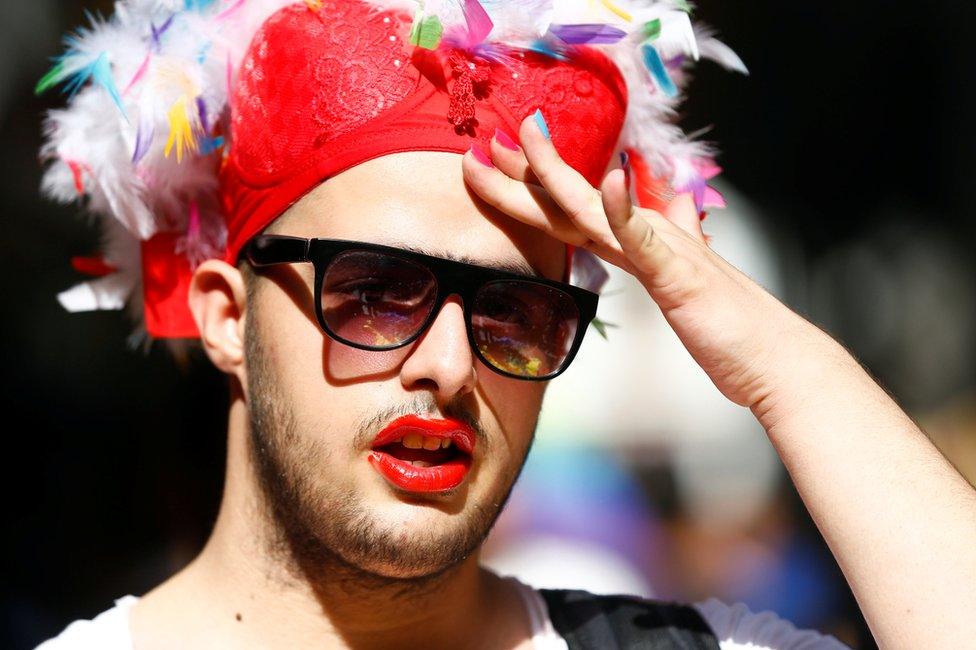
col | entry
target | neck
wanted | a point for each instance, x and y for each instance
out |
(259, 593)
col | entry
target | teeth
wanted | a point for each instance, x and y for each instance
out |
(420, 441)
(420, 463)
(413, 441)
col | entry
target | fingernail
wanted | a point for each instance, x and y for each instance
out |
(541, 123)
(506, 140)
(480, 155)
(625, 165)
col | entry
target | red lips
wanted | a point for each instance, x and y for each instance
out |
(447, 466)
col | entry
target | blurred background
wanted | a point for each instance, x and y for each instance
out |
(847, 155)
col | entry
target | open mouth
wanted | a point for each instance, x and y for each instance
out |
(421, 455)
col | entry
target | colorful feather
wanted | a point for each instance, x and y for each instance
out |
(712, 198)
(617, 10)
(180, 130)
(140, 73)
(77, 170)
(52, 78)
(202, 115)
(197, 5)
(590, 34)
(426, 31)
(101, 73)
(157, 33)
(549, 48)
(652, 60)
(229, 11)
(478, 22)
(66, 70)
(144, 136)
(477, 25)
(94, 266)
(651, 29)
(210, 145)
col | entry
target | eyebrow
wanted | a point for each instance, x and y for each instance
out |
(512, 265)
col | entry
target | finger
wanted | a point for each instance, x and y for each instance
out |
(683, 212)
(509, 157)
(570, 189)
(527, 203)
(644, 247)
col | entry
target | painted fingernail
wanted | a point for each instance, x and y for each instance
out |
(506, 140)
(480, 155)
(541, 123)
(625, 165)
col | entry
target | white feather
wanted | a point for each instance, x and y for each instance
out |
(109, 292)
(716, 50)
(677, 36)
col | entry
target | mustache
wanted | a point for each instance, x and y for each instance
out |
(420, 405)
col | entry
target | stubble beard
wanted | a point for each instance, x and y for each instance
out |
(319, 533)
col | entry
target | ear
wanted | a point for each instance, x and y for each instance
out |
(218, 300)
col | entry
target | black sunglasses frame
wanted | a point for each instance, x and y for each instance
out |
(452, 277)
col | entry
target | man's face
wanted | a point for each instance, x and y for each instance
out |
(316, 405)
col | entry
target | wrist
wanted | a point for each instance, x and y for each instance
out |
(811, 367)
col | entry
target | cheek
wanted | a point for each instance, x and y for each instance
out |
(291, 345)
(514, 403)
(345, 363)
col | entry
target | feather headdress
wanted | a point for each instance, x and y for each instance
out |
(146, 127)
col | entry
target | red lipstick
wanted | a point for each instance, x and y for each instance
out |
(423, 455)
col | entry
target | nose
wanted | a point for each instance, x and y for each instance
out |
(441, 360)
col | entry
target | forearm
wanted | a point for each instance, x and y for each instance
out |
(898, 517)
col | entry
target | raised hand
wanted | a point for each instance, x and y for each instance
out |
(732, 327)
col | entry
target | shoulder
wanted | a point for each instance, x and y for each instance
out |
(107, 631)
(738, 628)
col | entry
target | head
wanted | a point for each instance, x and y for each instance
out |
(386, 132)
(315, 405)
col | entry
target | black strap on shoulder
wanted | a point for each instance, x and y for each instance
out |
(591, 622)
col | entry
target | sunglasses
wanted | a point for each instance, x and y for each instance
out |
(376, 297)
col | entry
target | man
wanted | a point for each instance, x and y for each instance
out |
(383, 334)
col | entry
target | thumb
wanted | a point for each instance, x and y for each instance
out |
(649, 254)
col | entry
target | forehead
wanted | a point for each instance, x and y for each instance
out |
(418, 199)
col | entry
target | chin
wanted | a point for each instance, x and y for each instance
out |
(408, 540)
(392, 571)
(425, 561)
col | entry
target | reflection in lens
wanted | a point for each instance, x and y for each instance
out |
(524, 328)
(374, 299)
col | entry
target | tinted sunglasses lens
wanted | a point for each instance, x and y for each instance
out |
(376, 300)
(524, 328)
